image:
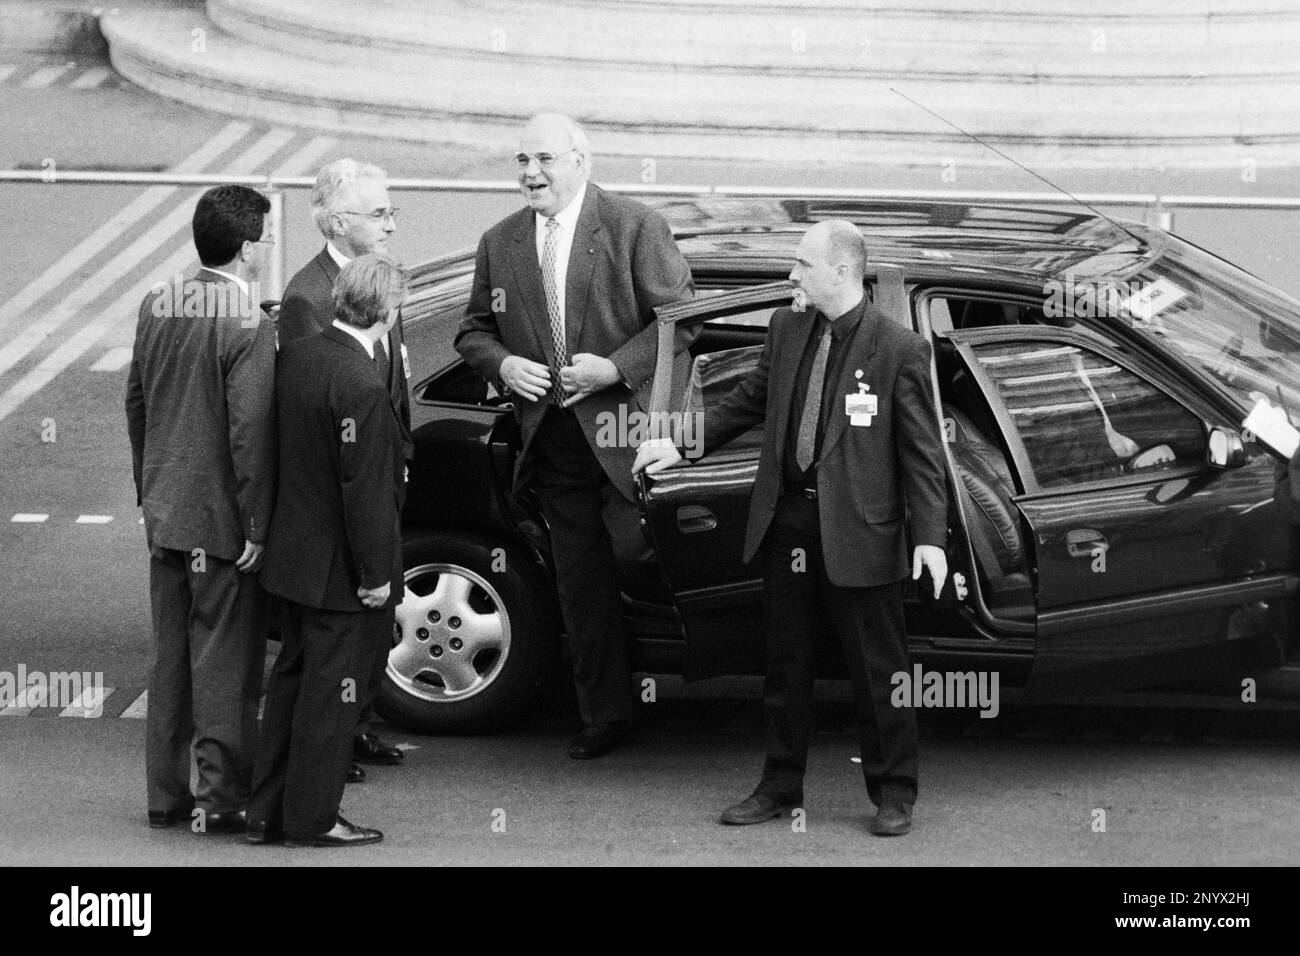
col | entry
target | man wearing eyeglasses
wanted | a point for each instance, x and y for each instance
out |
(561, 318)
(352, 210)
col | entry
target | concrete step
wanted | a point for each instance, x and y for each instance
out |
(639, 110)
(885, 40)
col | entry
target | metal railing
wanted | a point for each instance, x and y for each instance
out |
(1157, 209)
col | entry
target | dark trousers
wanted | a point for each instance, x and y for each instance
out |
(209, 631)
(376, 676)
(868, 623)
(311, 712)
(574, 492)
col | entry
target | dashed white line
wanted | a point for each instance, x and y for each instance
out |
(28, 518)
(45, 76)
(138, 709)
(113, 360)
(94, 519)
(90, 79)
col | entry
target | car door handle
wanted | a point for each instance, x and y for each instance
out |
(1084, 542)
(693, 519)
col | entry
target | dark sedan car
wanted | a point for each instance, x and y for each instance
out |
(1111, 524)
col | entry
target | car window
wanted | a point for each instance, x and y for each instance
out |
(1082, 417)
(950, 311)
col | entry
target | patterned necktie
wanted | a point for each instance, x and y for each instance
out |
(550, 256)
(806, 443)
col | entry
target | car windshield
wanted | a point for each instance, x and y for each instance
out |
(1242, 332)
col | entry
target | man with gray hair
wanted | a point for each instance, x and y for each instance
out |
(352, 210)
(334, 557)
(561, 317)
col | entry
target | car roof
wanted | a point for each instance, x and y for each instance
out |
(927, 239)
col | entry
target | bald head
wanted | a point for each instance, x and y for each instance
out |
(554, 162)
(829, 266)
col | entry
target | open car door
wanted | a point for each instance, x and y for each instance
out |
(1153, 543)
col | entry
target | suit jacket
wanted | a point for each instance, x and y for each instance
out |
(308, 308)
(337, 513)
(623, 263)
(867, 476)
(201, 417)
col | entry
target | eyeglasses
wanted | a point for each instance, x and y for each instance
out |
(544, 160)
(379, 215)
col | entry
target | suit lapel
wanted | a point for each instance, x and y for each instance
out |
(582, 262)
(785, 369)
(527, 274)
(863, 347)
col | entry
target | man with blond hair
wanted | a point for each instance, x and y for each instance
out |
(334, 558)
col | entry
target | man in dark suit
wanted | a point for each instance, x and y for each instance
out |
(334, 557)
(200, 412)
(851, 445)
(352, 210)
(561, 318)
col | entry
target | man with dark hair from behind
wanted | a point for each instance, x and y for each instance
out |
(334, 556)
(200, 413)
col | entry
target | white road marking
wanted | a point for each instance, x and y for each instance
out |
(89, 703)
(405, 746)
(306, 157)
(45, 76)
(7, 71)
(26, 700)
(138, 708)
(86, 337)
(113, 360)
(106, 234)
(23, 518)
(90, 79)
(94, 519)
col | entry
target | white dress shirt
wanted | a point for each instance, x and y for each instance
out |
(357, 334)
(568, 220)
(243, 286)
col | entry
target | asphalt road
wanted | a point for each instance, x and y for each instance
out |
(1186, 784)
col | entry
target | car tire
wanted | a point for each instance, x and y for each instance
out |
(499, 605)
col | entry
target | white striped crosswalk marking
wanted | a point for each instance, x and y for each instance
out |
(28, 518)
(138, 708)
(99, 240)
(90, 79)
(45, 76)
(113, 360)
(94, 519)
(306, 157)
(26, 700)
(86, 337)
(89, 703)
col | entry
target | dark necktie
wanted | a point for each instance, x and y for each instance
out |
(550, 258)
(806, 443)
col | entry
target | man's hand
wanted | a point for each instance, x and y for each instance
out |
(374, 597)
(251, 559)
(586, 374)
(532, 380)
(933, 558)
(655, 455)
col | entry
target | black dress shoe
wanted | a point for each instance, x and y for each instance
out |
(355, 774)
(754, 809)
(368, 748)
(160, 819)
(341, 834)
(227, 821)
(597, 740)
(894, 818)
(260, 831)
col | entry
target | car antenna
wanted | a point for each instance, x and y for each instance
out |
(990, 146)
